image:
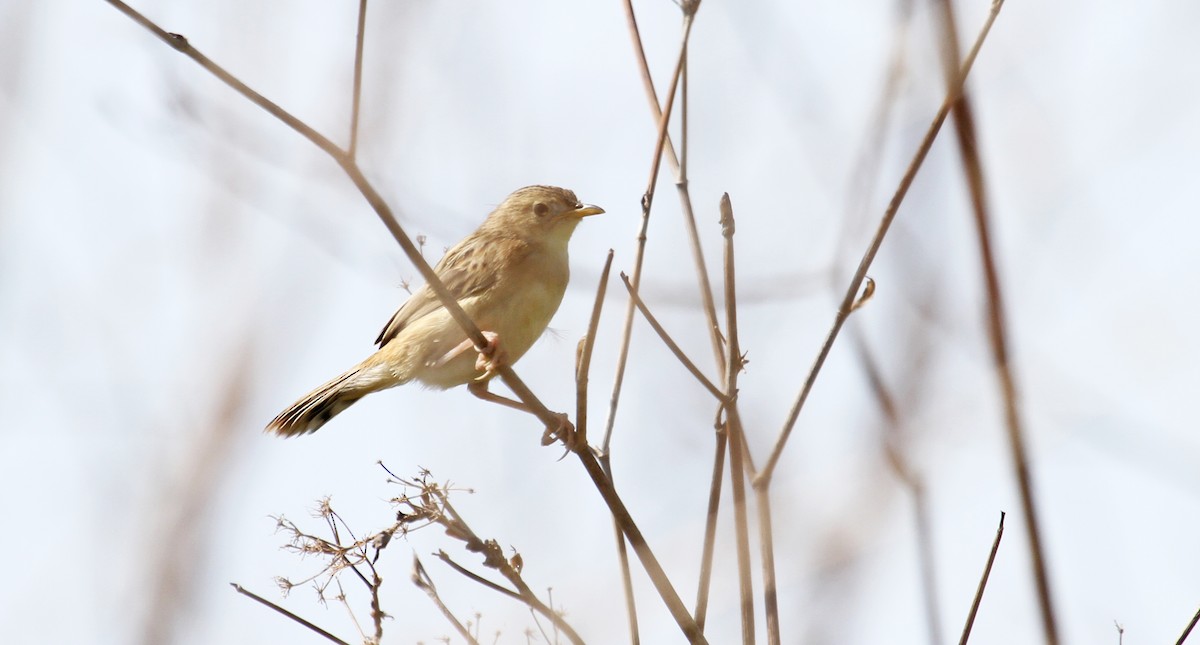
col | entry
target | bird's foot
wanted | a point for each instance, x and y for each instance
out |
(491, 358)
(563, 431)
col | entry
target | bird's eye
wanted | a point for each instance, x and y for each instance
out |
(540, 209)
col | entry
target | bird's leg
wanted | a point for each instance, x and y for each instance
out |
(490, 358)
(563, 430)
(480, 390)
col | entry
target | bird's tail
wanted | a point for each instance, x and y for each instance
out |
(322, 404)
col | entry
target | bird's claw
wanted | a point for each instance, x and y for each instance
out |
(563, 431)
(491, 358)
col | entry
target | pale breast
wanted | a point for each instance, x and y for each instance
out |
(525, 301)
(518, 309)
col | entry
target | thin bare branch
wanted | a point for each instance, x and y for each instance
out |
(510, 378)
(475, 577)
(885, 223)
(494, 558)
(647, 204)
(348, 165)
(626, 575)
(650, 563)
(421, 579)
(586, 345)
(1188, 630)
(733, 427)
(967, 136)
(671, 344)
(987, 571)
(356, 102)
(263, 601)
(679, 167)
(710, 527)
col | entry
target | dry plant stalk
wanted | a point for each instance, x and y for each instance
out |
(429, 503)
(424, 503)
(983, 580)
(1188, 630)
(967, 137)
(550, 419)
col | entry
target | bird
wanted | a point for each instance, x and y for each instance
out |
(509, 276)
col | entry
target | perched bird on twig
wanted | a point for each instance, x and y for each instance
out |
(509, 276)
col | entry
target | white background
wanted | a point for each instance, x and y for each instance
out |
(164, 244)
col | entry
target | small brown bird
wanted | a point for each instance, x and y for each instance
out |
(509, 276)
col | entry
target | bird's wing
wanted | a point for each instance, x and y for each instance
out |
(467, 270)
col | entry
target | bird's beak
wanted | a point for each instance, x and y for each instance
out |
(585, 210)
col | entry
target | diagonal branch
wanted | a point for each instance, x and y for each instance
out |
(356, 103)
(1188, 630)
(671, 344)
(347, 163)
(987, 571)
(848, 300)
(420, 578)
(510, 378)
(647, 203)
(679, 167)
(263, 601)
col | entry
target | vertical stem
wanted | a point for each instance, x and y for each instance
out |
(358, 63)
(710, 528)
(733, 425)
(639, 257)
(679, 166)
(762, 496)
(964, 128)
(585, 353)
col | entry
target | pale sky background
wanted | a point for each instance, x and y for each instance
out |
(164, 243)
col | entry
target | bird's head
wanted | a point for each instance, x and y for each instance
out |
(543, 213)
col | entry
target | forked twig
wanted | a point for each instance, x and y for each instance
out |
(420, 578)
(350, 167)
(582, 369)
(510, 378)
(679, 167)
(647, 204)
(494, 559)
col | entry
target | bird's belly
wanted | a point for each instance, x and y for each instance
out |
(518, 320)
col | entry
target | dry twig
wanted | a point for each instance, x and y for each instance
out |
(987, 571)
(967, 137)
